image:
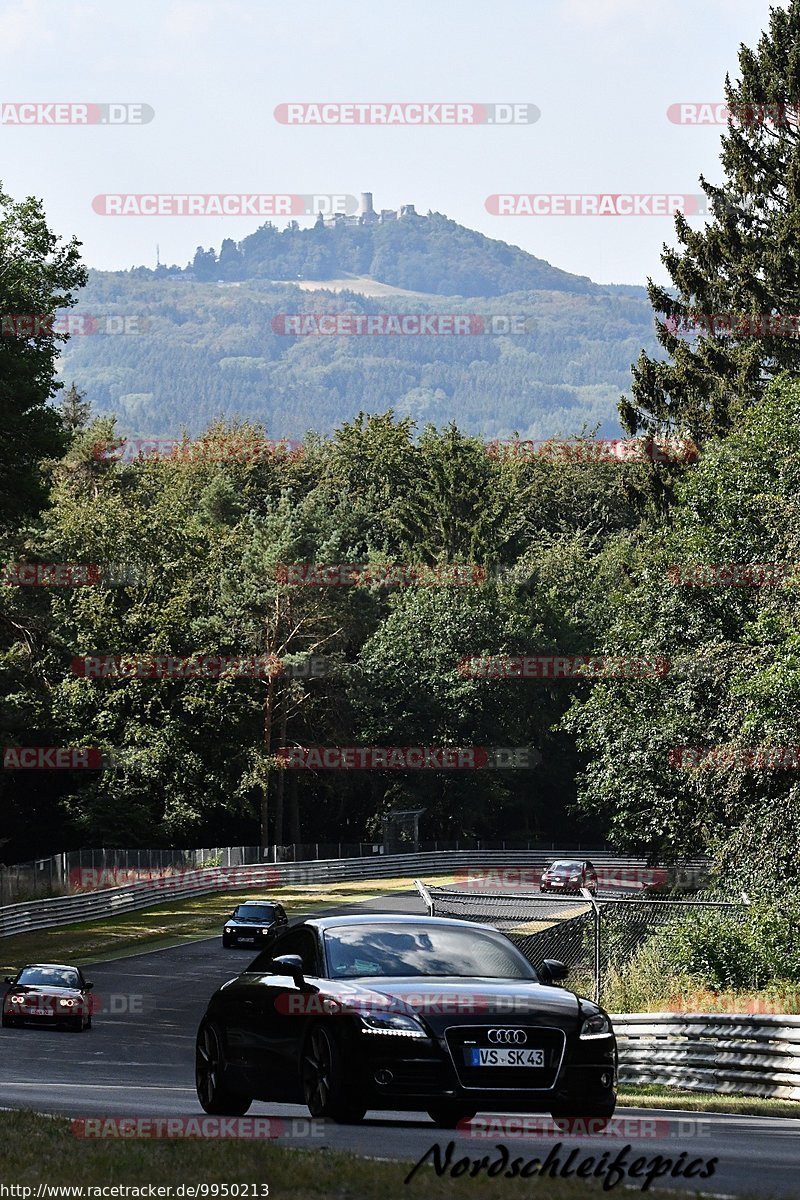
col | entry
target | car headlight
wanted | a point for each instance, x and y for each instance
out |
(17, 999)
(392, 1024)
(597, 1026)
(66, 1003)
(265, 932)
(229, 928)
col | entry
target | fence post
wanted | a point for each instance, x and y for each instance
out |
(587, 895)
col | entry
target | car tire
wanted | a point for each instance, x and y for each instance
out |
(9, 1022)
(326, 1079)
(448, 1117)
(214, 1097)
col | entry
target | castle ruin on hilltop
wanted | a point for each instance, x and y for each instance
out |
(368, 215)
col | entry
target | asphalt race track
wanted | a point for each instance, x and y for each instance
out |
(138, 1060)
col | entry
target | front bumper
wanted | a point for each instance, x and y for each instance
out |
(51, 1018)
(248, 939)
(410, 1075)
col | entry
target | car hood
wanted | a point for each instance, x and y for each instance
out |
(35, 989)
(449, 1000)
(250, 921)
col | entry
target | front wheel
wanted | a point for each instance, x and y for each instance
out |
(447, 1117)
(325, 1074)
(214, 1097)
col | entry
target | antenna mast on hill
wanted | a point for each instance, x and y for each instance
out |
(158, 263)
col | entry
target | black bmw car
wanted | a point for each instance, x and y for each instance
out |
(347, 1014)
(254, 923)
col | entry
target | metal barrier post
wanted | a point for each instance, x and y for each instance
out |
(587, 895)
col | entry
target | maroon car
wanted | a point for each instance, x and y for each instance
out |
(48, 994)
(569, 875)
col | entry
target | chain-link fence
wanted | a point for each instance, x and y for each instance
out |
(594, 936)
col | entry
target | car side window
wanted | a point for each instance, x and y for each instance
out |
(296, 941)
(302, 942)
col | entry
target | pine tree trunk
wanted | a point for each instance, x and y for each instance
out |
(280, 781)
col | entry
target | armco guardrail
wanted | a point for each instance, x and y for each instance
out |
(711, 1052)
(109, 902)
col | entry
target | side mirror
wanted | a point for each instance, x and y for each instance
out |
(553, 970)
(88, 986)
(289, 964)
(9, 979)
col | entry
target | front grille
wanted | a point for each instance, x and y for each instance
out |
(461, 1041)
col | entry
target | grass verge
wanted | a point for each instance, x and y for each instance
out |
(177, 921)
(35, 1149)
(652, 1096)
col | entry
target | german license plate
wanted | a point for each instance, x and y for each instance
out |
(40, 1012)
(241, 939)
(477, 1057)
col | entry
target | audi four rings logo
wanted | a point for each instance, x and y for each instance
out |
(508, 1037)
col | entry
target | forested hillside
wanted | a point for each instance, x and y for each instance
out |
(203, 340)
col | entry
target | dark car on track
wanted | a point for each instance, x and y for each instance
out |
(347, 1014)
(569, 875)
(254, 923)
(48, 994)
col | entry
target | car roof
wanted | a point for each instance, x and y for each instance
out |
(337, 922)
(51, 966)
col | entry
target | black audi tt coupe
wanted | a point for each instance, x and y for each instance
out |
(347, 1014)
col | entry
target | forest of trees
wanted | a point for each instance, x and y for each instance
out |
(201, 346)
(577, 558)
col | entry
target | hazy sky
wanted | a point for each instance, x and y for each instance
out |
(602, 72)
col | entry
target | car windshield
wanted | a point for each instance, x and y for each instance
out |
(361, 951)
(256, 912)
(62, 977)
(574, 867)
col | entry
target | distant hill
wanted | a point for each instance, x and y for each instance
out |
(212, 345)
(421, 254)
